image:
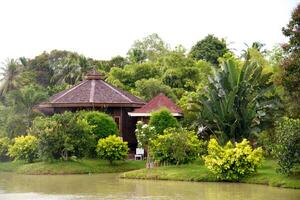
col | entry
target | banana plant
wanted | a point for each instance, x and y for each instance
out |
(238, 101)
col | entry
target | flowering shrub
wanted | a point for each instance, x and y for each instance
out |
(231, 162)
(144, 133)
(177, 146)
(112, 148)
(24, 148)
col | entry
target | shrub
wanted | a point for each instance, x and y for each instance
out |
(162, 120)
(177, 146)
(112, 148)
(144, 133)
(4, 145)
(63, 135)
(267, 140)
(24, 148)
(287, 148)
(102, 124)
(231, 163)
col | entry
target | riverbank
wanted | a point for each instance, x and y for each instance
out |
(84, 166)
(265, 175)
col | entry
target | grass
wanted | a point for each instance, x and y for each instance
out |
(198, 172)
(84, 166)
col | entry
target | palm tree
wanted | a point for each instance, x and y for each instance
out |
(71, 69)
(24, 99)
(9, 76)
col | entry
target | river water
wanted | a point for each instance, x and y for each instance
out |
(109, 186)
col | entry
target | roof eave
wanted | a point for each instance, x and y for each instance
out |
(89, 104)
(133, 114)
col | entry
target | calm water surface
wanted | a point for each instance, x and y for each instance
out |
(108, 186)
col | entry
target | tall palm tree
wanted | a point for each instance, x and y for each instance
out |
(9, 76)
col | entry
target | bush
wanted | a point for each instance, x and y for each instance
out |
(24, 148)
(112, 148)
(231, 163)
(4, 145)
(62, 136)
(177, 146)
(267, 140)
(287, 148)
(162, 120)
(102, 124)
(144, 134)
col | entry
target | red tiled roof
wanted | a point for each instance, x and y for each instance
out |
(157, 103)
(93, 91)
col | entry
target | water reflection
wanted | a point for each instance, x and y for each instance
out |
(108, 186)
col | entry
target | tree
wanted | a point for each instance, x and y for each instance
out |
(290, 75)
(162, 120)
(238, 103)
(71, 69)
(24, 99)
(63, 135)
(209, 49)
(149, 48)
(147, 89)
(118, 61)
(10, 76)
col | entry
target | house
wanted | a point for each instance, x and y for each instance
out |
(94, 93)
(157, 103)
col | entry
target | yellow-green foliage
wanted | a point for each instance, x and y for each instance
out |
(24, 148)
(112, 148)
(232, 162)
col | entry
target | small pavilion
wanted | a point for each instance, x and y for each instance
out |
(157, 103)
(94, 93)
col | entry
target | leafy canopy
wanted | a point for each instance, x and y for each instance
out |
(162, 120)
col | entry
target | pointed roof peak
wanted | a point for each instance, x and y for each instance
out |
(158, 102)
(94, 75)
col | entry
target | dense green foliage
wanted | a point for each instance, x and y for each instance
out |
(238, 102)
(63, 135)
(102, 124)
(24, 148)
(4, 145)
(177, 146)
(240, 99)
(288, 144)
(209, 49)
(231, 162)
(290, 69)
(162, 120)
(112, 148)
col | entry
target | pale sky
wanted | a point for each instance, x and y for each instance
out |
(103, 29)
